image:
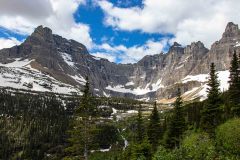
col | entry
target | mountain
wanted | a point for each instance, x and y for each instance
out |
(49, 62)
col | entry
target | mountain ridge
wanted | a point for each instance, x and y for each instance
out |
(68, 62)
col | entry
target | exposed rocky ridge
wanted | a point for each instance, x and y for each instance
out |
(154, 76)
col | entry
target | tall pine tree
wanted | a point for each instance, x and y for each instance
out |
(234, 86)
(154, 128)
(140, 126)
(177, 124)
(82, 126)
(141, 148)
(211, 114)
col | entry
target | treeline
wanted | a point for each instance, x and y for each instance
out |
(199, 130)
(30, 125)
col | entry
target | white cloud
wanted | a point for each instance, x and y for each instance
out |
(8, 42)
(56, 14)
(135, 53)
(132, 54)
(188, 20)
(31, 9)
(111, 57)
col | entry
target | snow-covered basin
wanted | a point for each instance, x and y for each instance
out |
(140, 90)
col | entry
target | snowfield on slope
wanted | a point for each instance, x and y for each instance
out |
(201, 92)
(136, 91)
(20, 75)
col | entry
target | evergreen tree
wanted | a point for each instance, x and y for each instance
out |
(142, 151)
(83, 125)
(176, 125)
(234, 86)
(87, 107)
(154, 128)
(140, 147)
(211, 114)
(140, 126)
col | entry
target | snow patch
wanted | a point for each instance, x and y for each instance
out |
(182, 65)
(96, 58)
(103, 106)
(132, 111)
(17, 63)
(105, 150)
(114, 111)
(67, 58)
(137, 91)
(144, 99)
(199, 78)
(29, 79)
(129, 83)
(105, 94)
(79, 79)
(237, 44)
(157, 85)
(223, 77)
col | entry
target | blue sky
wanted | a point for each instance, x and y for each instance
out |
(122, 31)
(93, 16)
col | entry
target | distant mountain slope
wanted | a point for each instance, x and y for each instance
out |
(48, 62)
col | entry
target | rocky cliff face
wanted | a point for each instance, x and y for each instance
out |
(66, 63)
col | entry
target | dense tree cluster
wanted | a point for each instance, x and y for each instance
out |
(30, 125)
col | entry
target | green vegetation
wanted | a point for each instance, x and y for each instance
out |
(234, 87)
(54, 127)
(211, 114)
(177, 124)
(228, 137)
(154, 130)
(30, 125)
(198, 145)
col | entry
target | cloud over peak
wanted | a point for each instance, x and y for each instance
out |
(132, 54)
(188, 20)
(55, 14)
(122, 31)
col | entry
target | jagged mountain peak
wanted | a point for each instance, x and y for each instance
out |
(44, 36)
(43, 32)
(40, 35)
(176, 44)
(231, 30)
(231, 27)
(198, 44)
(42, 29)
(176, 48)
(196, 48)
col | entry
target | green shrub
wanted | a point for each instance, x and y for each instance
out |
(198, 146)
(228, 137)
(163, 154)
